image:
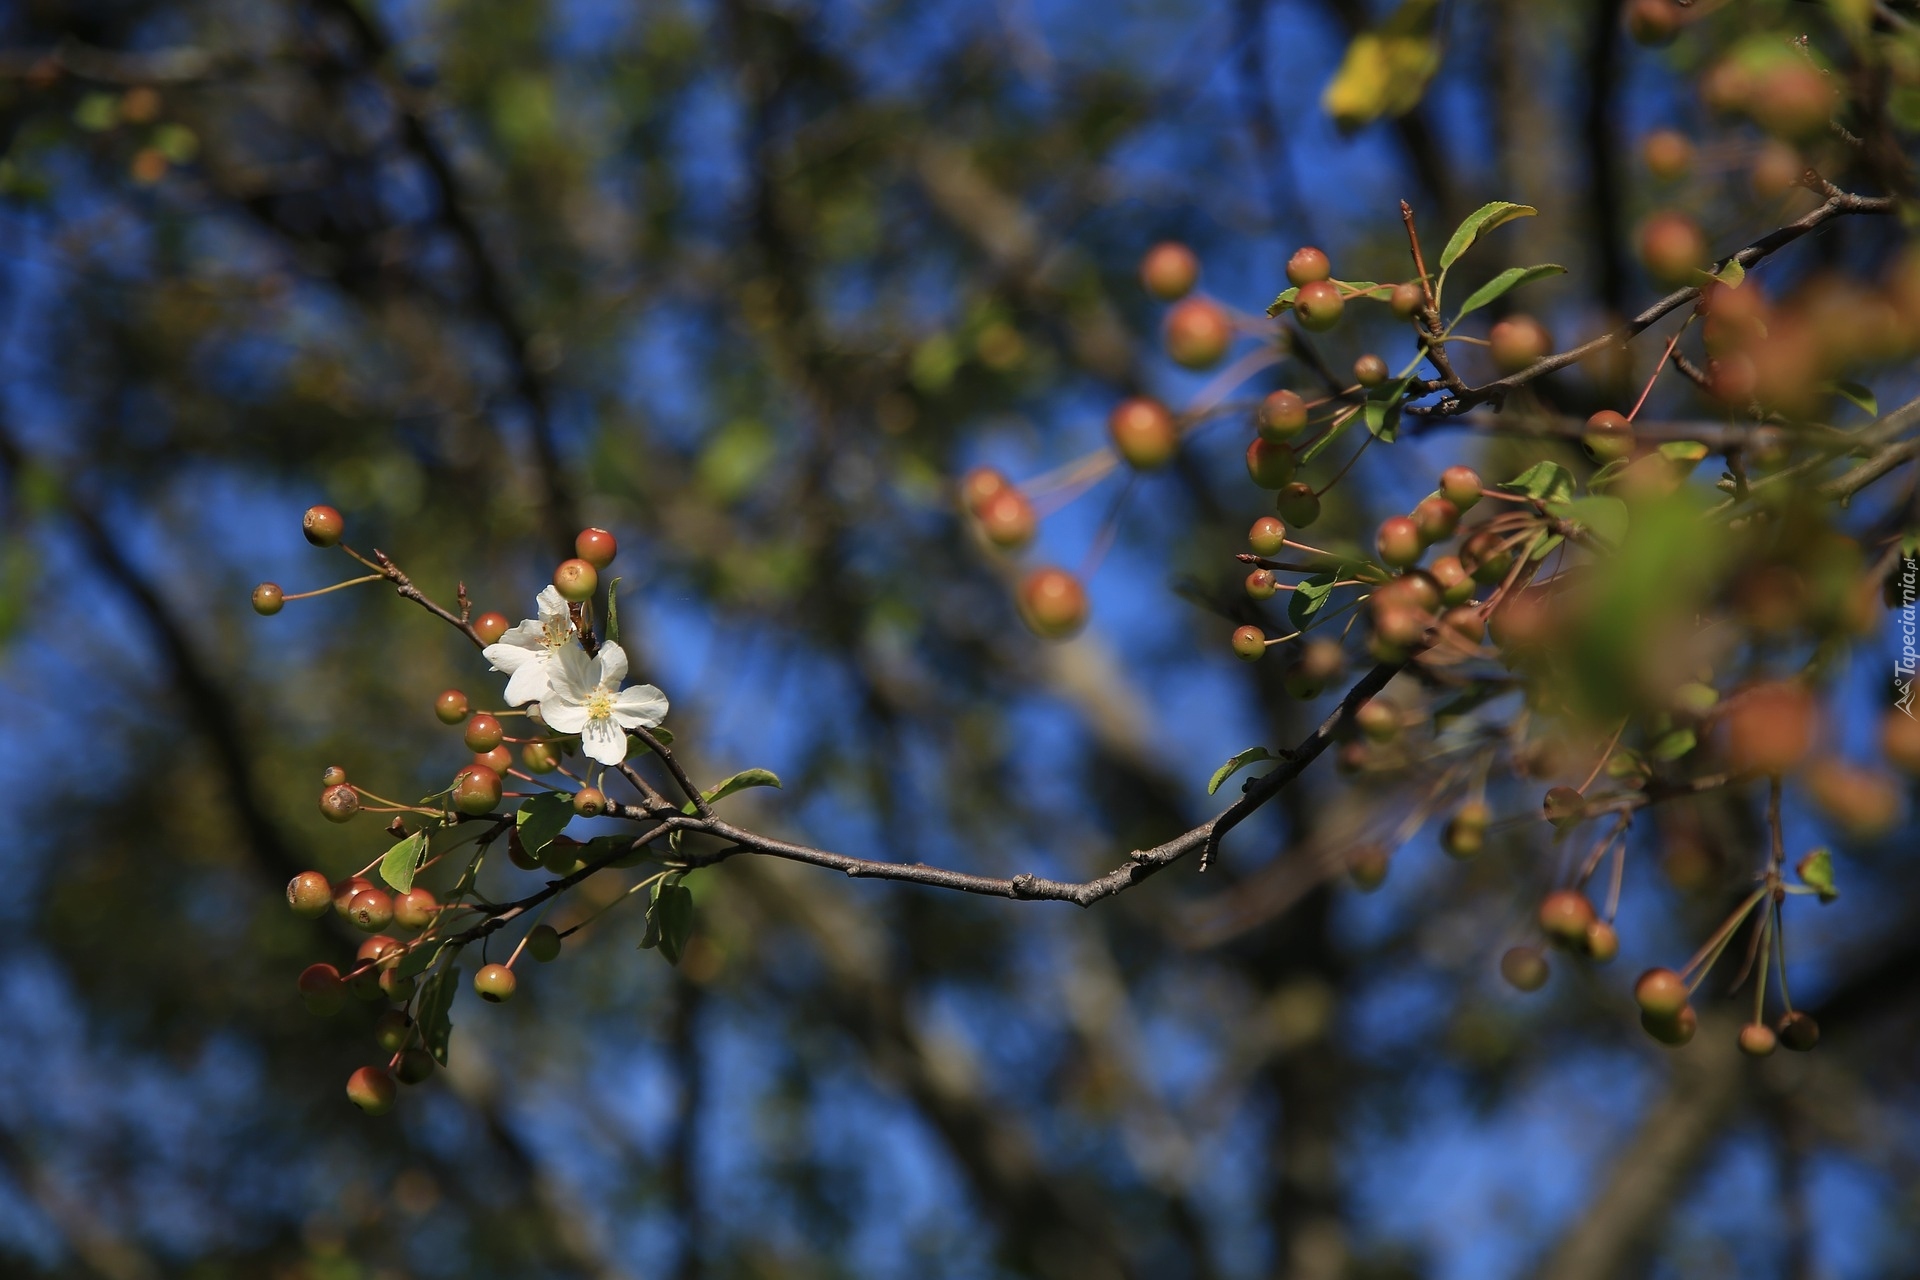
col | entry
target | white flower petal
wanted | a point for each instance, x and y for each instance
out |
(506, 657)
(571, 674)
(529, 682)
(550, 602)
(640, 707)
(613, 665)
(527, 634)
(563, 717)
(604, 741)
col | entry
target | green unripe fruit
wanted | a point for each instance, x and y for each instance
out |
(1661, 993)
(1261, 585)
(596, 546)
(339, 803)
(1676, 1030)
(450, 707)
(499, 760)
(1406, 300)
(332, 776)
(543, 943)
(1249, 643)
(1398, 542)
(391, 1030)
(1198, 333)
(1143, 432)
(415, 909)
(1524, 968)
(1269, 465)
(1517, 342)
(1455, 583)
(322, 990)
(494, 983)
(484, 732)
(1602, 942)
(540, 757)
(1563, 806)
(1668, 154)
(1008, 519)
(1485, 558)
(268, 599)
(1377, 720)
(396, 986)
(1436, 518)
(1282, 416)
(1564, 917)
(576, 580)
(1319, 305)
(476, 790)
(1757, 1040)
(414, 1067)
(1053, 603)
(344, 890)
(1608, 436)
(589, 802)
(371, 910)
(1298, 505)
(1367, 867)
(1465, 833)
(1268, 536)
(1672, 248)
(1798, 1031)
(489, 627)
(1307, 265)
(309, 895)
(1460, 486)
(1169, 271)
(322, 526)
(372, 1090)
(1370, 370)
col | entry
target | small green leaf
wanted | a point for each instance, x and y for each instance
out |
(541, 818)
(1382, 413)
(1312, 595)
(1607, 475)
(1542, 547)
(1674, 745)
(436, 1004)
(669, 919)
(402, 860)
(1547, 481)
(636, 748)
(1862, 396)
(741, 781)
(1236, 763)
(613, 611)
(1284, 302)
(1605, 518)
(1816, 872)
(1508, 280)
(1478, 223)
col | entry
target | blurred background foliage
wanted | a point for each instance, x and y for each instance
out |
(749, 283)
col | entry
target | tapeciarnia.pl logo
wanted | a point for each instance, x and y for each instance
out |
(1903, 666)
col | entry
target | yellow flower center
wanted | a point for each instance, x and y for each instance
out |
(559, 630)
(600, 704)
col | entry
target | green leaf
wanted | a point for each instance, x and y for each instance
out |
(1732, 274)
(1548, 481)
(541, 818)
(402, 860)
(1862, 396)
(436, 1003)
(1383, 410)
(1607, 475)
(1236, 763)
(636, 748)
(1674, 745)
(1605, 518)
(613, 611)
(669, 919)
(1816, 872)
(1478, 223)
(1284, 302)
(1312, 595)
(1510, 279)
(740, 782)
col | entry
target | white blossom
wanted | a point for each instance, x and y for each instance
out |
(527, 651)
(584, 696)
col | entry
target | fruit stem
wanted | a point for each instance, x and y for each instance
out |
(1780, 954)
(1341, 473)
(1710, 952)
(1605, 755)
(1664, 357)
(338, 586)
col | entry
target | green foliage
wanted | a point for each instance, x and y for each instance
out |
(1235, 763)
